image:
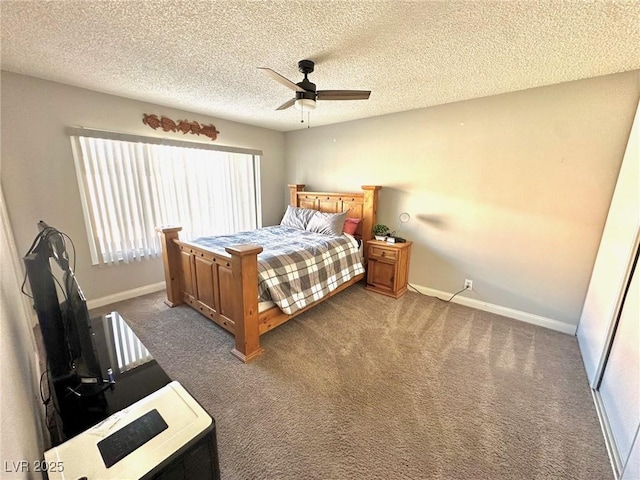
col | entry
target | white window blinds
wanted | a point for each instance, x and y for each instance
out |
(129, 188)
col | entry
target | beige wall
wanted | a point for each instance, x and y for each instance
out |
(510, 191)
(39, 179)
(21, 413)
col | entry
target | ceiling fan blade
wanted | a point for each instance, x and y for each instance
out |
(286, 104)
(343, 94)
(279, 78)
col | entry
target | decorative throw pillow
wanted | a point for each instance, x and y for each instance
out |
(296, 217)
(327, 223)
(351, 225)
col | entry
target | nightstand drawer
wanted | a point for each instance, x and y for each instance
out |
(383, 253)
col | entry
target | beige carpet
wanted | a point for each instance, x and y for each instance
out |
(367, 387)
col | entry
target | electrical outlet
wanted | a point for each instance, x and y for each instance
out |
(468, 284)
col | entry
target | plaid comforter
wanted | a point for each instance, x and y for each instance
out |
(296, 267)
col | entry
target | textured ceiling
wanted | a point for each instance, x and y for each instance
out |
(201, 56)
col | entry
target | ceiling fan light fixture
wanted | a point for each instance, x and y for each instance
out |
(305, 104)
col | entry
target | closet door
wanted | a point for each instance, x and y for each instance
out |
(608, 332)
(632, 469)
(619, 389)
(613, 262)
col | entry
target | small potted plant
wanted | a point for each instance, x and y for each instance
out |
(380, 231)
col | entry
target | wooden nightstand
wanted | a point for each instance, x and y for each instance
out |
(388, 267)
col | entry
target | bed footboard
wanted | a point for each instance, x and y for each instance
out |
(223, 287)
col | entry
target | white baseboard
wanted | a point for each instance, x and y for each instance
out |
(500, 310)
(466, 301)
(126, 295)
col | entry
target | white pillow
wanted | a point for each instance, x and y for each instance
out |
(296, 217)
(327, 223)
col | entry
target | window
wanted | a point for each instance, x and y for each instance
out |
(130, 185)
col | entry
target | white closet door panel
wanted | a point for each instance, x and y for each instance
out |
(620, 387)
(632, 470)
(611, 268)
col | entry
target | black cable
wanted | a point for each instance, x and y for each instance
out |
(49, 420)
(53, 231)
(73, 249)
(44, 402)
(36, 241)
(96, 391)
(433, 296)
(44, 236)
(24, 282)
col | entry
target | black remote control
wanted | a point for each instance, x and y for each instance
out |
(129, 438)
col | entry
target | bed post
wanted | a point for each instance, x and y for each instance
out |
(294, 188)
(244, 268)
(369, 211)
(171, 261)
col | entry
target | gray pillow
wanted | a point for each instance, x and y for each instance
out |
(327, 223)
(296, 217)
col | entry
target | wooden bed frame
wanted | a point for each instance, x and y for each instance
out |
(224, 288)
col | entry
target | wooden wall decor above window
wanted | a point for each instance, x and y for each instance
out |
(184, 126)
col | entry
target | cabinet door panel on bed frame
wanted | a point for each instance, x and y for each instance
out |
(329, 204)
(187, 274)
(308, 202)
(204, 281)
(353, 208)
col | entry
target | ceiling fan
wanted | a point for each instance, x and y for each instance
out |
(306, 93)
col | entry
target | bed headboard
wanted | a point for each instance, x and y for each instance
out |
(362, 205)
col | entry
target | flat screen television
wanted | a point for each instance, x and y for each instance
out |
(62, 314)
